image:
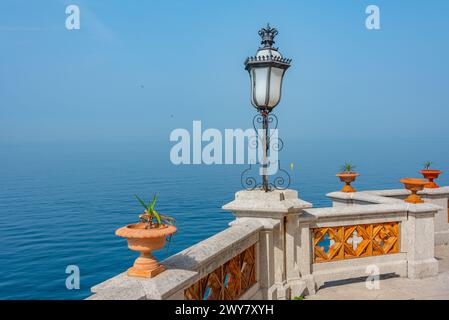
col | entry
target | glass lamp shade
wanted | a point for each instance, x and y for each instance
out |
(266, 72)
(266, 85)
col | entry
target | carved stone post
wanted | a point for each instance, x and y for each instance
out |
(305, 253)
(440, 197)
(278, 258)
(421, 262)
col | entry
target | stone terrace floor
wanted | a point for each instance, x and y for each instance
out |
(393, 288)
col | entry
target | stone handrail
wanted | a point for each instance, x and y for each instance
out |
(402, 193)
(363, 198)
(186, 267)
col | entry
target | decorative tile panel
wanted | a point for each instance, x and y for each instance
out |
(358, 241)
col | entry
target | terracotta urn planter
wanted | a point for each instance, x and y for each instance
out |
(145, 241)
(431, 175)
(414, 185)
(347, 178)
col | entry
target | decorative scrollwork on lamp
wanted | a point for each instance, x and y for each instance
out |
(280, 181)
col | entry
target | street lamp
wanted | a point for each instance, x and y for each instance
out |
(266, 70)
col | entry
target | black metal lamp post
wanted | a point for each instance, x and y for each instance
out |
(266, 70)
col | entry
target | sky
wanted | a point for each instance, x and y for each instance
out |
(136, 70)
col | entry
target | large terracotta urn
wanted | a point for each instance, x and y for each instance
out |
(347, 178)
(414, 185)
(431, 175)
(145, 241)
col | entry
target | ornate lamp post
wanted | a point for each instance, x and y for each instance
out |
(266, 70)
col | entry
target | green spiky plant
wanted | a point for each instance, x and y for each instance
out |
(427, 165)
(150, 215)
(347, 168)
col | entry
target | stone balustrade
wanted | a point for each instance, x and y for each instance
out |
(387, 238)
(188, 267)
(438, 196)
(279, 247)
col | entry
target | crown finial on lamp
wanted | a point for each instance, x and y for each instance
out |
(267, 34)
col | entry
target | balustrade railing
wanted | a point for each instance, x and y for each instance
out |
(279, 247)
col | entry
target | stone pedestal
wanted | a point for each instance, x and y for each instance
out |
(439, 197)
(420, 243)
(279, 274)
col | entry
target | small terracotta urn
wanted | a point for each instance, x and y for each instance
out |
(145, 241)
(414, 185)
(347, 178)
(430, 175)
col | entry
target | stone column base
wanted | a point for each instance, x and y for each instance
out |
(279, 292)
(292, 289)
(298, 288)
(422, 269)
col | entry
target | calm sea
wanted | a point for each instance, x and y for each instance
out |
(61, 203)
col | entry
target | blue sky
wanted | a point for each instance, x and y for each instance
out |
(346, 82)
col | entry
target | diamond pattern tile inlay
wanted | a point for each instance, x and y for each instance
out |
(338, 243)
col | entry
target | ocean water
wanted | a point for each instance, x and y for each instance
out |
(61, 203)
